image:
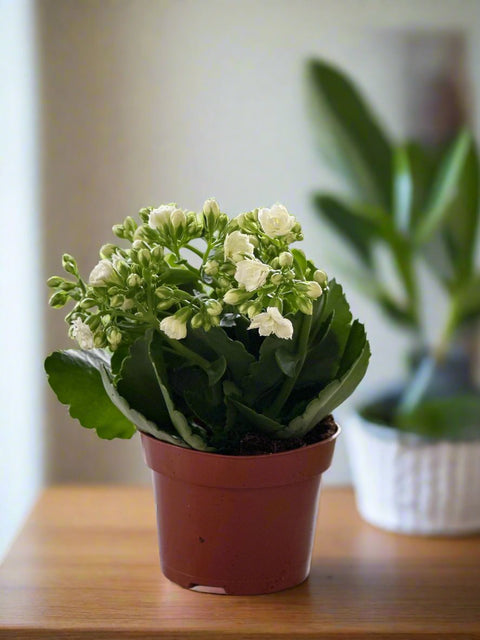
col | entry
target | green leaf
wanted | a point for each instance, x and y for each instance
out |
(287, 361)
(402, 190)
(462, 223)
(137, 383)
(423, 165)
(178, 419)
(351, 136)
(468, 301)
(300, 261)
(394, 310)
(444, 189)
(356, 229)
(216, 342)
(257, 420)
(135, 416)
(455, 418)
(179, 276)
(351, 371)
(75, 377)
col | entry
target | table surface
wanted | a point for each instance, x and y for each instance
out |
(86, 566)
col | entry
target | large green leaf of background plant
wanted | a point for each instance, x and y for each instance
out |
(351, 137)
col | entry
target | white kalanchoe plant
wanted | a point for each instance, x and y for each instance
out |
(246, 337)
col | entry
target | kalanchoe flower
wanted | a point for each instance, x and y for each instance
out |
(276, 221)
(237, 246)
(272, 321)
(160, 217)
(314, 290)
(103, 274)
(82, 333)
(175, 326)
(252, 274)
(211, 207)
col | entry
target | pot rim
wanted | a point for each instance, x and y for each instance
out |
(262, 456)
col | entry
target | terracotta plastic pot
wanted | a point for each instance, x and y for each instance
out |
(236, 525)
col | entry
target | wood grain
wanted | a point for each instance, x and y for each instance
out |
(86, 566)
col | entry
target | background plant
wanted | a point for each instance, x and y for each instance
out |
(414, 204)
(200, 329)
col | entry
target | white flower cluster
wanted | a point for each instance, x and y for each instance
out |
(247, 264)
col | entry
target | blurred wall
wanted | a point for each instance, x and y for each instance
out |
(21, 326)
(151, 101)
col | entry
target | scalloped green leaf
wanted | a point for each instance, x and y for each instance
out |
(147, 426)
(137, 383)
(351, 371)
(261, 422)
(76, 378)
(178, 419)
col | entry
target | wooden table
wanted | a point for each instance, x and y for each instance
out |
(85, 566)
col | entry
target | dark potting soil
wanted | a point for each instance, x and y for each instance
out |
(256, 444)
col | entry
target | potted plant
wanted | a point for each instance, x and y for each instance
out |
(415, 449)
(227, 350)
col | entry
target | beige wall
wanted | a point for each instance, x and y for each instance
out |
(149, 101)
(21, 327)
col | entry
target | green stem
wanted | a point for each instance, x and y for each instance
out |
(289, 382)
(187, 353)
(195, 250)
(441, 349)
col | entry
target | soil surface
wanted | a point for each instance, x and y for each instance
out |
(256, 444)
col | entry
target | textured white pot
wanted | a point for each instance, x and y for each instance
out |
(409, 484)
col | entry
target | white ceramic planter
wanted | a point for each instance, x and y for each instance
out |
(408, 484)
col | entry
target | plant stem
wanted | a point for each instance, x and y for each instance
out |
(187, 353)
(290, 382)
(441, 349)
(195, 250)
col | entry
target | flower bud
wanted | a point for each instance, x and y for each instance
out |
(276, 278)
(163, 305)
(58, 300)
(119, 230)
(55, 281)
(210, 207)
(254, 309)
(88, 303)
(285, 259)
(314, 290)
(236, 296)
(320, 277)
(114, 337)
(99, 340)
(305, 306)
(117, 301)
(129, 224)
(178, 219)
(214, 307)
(197, 321)
(164, 292)
(122, 268)
(106, 319)
(69, 264)
(157, 253)
(211, 268)
(134, 280)
(137, 245)
(107, 250)
(223, 282)
(144, 257)
(127, 304)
